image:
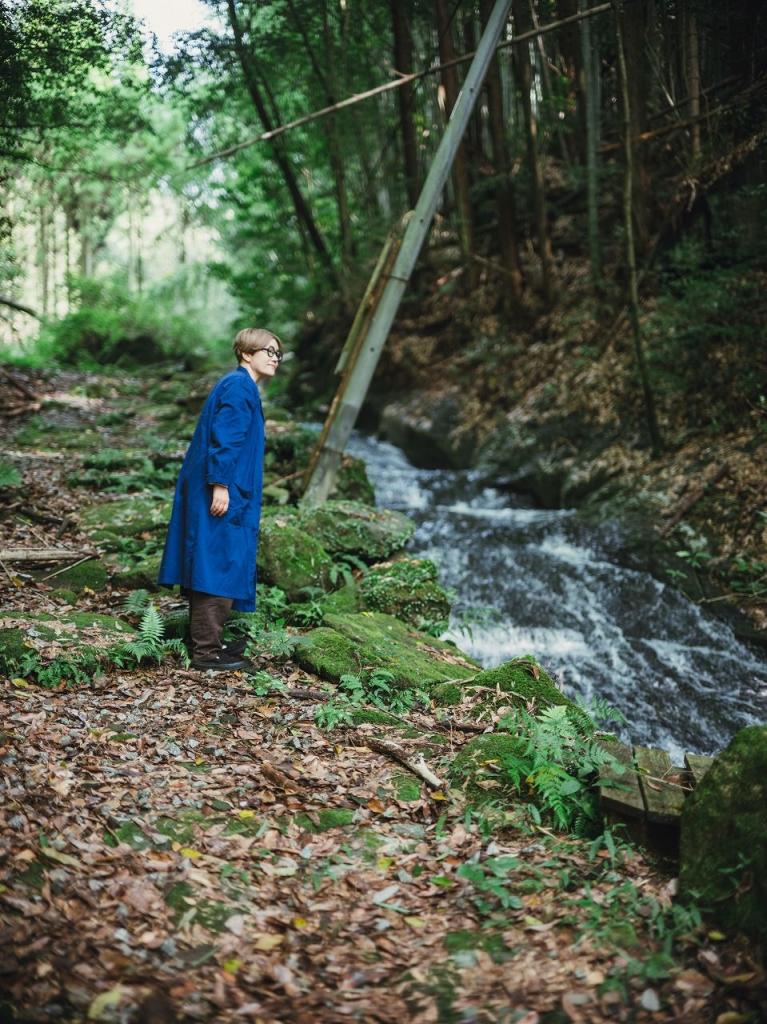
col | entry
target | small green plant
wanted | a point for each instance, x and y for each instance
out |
(9, 476)
(276, 642)
(334, 713)
(263, 683)
(309, 612)
(149, 645)
(490, 881)
(696, 559)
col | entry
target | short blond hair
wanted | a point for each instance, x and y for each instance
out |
(251, 339)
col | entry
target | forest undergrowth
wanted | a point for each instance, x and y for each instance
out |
(186, 847)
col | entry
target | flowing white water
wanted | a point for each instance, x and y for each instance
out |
(680, 676)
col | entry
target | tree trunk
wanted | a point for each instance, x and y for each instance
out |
(507, 225)
(300, 205)
(628, 224)
(544, 62)
(572, 63)
(460, 172)
(693, 78)
(403, 62)
(590, 63)
(522, 64)
(634, 20)
(331, 133)
(42, 256)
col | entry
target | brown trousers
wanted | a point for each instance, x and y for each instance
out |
(207, 615)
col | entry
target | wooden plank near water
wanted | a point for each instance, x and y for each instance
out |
(620, 792)
(663, 799)
(697, 766)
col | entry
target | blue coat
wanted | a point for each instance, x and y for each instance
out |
(217, 554)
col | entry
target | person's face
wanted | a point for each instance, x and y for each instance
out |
(264, 362)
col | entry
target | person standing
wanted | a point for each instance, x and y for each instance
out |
(212, 540)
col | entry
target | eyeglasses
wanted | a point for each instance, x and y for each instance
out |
(273, 353)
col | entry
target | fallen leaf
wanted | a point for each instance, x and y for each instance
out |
(106, 1001)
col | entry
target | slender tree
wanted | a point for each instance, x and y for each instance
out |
(591, 63)
(628, 226)
(460, 172)
(403, 62)
(505, 199)
(324, 77)
(524, 78)
(300, 205)
(693, 76)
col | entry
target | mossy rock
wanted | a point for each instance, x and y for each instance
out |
(352, 483)
(525, 682)
(723, 848)
(360, 644)
(345, 599)
(38, 639)
(479, 766)
(291, 559)
(109, 523)
(408, 589)
(140, 574)
(90, 575)
(349, 527)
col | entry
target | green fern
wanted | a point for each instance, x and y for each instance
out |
(149, 644)
(152, 628)
(136, 602)
(557, 763)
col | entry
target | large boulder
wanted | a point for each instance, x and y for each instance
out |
(290, 558)
(409, 590)
(359, 644)
(723, 849)
(430, 429)
(349, 527)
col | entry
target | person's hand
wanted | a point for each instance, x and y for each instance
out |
(220, 502)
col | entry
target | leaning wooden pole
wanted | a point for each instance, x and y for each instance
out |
(347, 409)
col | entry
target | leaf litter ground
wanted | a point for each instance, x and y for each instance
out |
(176, 847)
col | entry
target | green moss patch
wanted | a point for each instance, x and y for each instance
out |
(408, 589)
(723, 850)
(479, 766)
(407, 787)
(291, 559)
(341, 601)
(349, 527)
(359, 644)
(325, 820)
(90, 575)
(31, 641)
(109, 523)
(138, 574)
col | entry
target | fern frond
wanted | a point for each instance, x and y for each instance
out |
(152, 628)
(136, 602)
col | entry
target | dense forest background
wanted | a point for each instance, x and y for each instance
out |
(599, 252)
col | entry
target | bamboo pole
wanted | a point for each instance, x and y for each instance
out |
(346, 409)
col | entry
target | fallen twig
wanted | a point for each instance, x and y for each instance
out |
(43, 555)
(417, 767)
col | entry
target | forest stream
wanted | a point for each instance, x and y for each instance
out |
(678, 674)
